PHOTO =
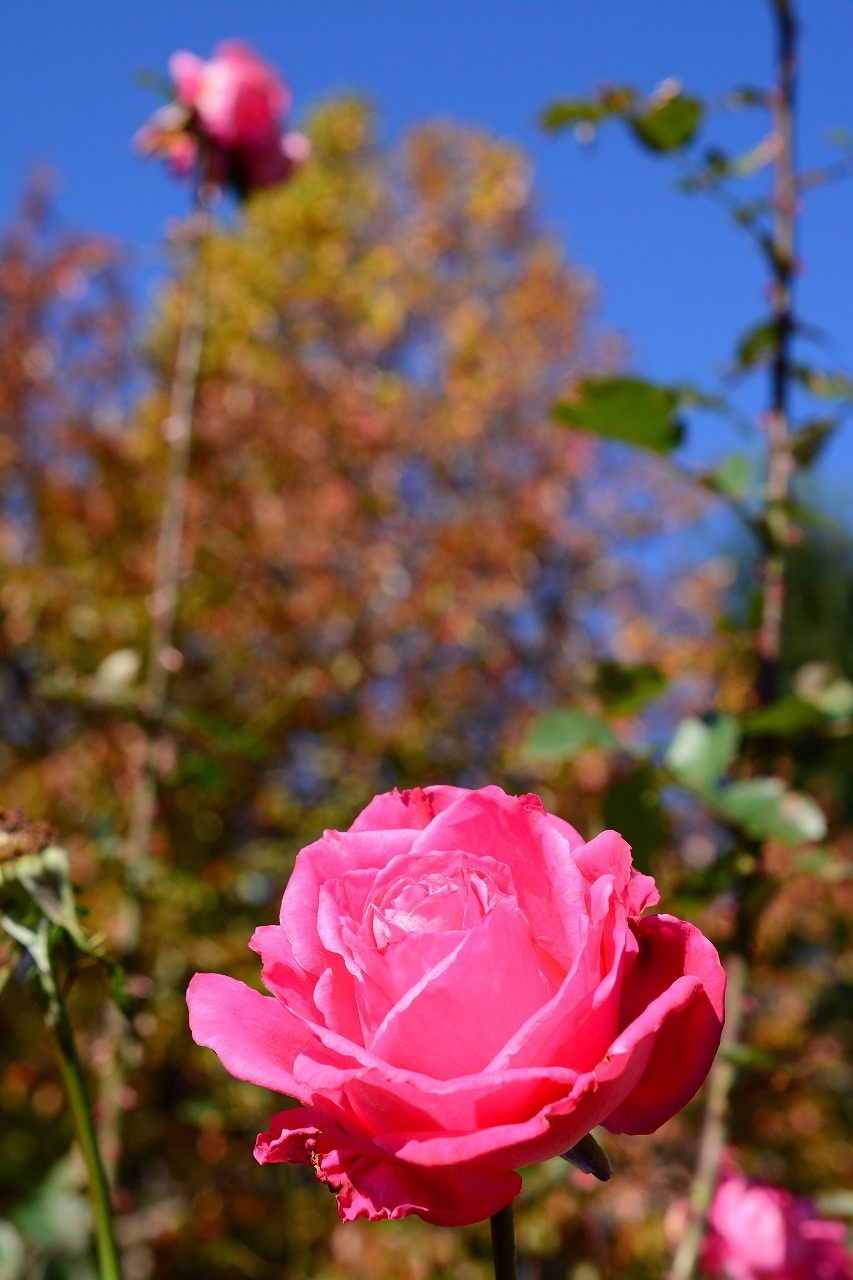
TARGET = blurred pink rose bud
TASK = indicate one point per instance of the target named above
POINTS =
(228, 121)
(239, 99)
(460, 986)
(760, 1232)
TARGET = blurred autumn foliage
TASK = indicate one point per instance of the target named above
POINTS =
(392, 560)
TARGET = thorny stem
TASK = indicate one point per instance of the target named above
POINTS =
(163, 601)
(780, 461)
(78, 1097)
(502, 1225)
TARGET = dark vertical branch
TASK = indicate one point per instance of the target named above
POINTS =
(503, 1244)
(780, 460)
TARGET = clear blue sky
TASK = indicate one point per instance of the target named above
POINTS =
(673, 276)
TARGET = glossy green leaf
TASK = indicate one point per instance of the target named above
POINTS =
(627, 409)
(701, 751)
(670, 124)
(763, 809)
(561, 734)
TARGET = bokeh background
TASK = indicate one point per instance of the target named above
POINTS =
(394, 562)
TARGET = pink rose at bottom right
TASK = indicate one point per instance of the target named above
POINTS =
(757, 1231)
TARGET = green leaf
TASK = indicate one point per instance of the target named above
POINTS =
(763, 809)
(670, 124)
(786, 716)
(732, 477)
(561, 734)
(633, 804)
(822, 686)
(812, 438)
(744, 1055)
(567, 112)
(756, 345)
(701, 751)
(623, 690)
(825, 386)
(612, 101)
(627, 409)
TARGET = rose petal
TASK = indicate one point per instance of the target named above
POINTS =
(461, 1012)
(327, 859)
(685, 1038)
(368, 1186)
(254, 1036)
(186, 71)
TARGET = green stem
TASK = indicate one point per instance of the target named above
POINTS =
(81, 1111)
(502, 1224)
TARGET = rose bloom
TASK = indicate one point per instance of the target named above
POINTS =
(239, 99)
(227, 119)
(460, 985)
(760, 1232)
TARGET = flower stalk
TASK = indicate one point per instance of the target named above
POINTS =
(504, 1252)
(109, 1263)
(163, 601)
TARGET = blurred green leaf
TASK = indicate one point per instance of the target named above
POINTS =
(732, 477)
(787, 715)
(763, 809)
(627, 409)
(756, 345)
(835, 1204)
(812, 438)
(670, 124)
(746, 95)
(744, 1055)
(701, 751)
(566, 112)
(821, 685)
(825, 386)
(633, 804)
(611, 101)
(623, 690)
(561, 734)
(826, 864)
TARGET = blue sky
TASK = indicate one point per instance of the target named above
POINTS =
(673, 276)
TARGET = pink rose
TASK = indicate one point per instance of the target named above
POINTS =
(227, 123)
(761, 1232)
(461, 986)
(239, 99)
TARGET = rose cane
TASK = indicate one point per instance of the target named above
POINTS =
(460, 986)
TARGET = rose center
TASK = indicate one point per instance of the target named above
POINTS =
(435, 901)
